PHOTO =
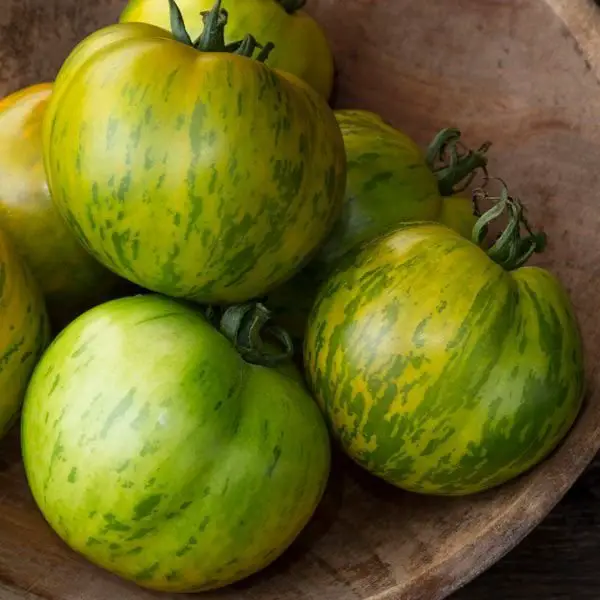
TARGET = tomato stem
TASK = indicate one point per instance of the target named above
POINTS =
(292, 6)
(511, 249)
(265, 52)
(212, 38)
(454, 165)
(246, 325)
(177, 24)
(248, 45)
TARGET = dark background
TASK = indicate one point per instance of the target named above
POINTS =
(561, 557)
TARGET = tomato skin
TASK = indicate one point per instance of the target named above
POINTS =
(457, 214)
(301, 47)
(439, 371)
(24, 330)
(70, 278)
(388, 182)
(153, 449)
(173, 198)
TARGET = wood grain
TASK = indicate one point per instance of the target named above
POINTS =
(558, 561)
(523, 73)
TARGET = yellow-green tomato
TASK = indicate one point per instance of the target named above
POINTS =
(70, 278)
(157, 452)
(440, 370)
(24, 330)
(388, 182)
(194, 172)
(457, 213)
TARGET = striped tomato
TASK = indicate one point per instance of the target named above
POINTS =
(441, 370)
(301, 47)
(156, 451)
(187, 169)
(70, 278)
(24, 330)
(391, 181)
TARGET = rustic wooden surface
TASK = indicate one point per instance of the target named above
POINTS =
(524, 73)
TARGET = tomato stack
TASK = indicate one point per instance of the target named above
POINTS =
(207, 274)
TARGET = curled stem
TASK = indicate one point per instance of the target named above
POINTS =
(454, 165)
(246, 326)
(517, 242)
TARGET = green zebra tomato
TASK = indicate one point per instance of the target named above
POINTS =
(441, 370)
(70, 279)
(24, 330)
(187, 169)
(160, 454)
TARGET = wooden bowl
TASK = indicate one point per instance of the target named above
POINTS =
(523, 74)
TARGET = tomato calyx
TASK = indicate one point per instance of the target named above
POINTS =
(212, 38)
(517, 242)
(249, 328)
(292, 6)
(455, 165)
